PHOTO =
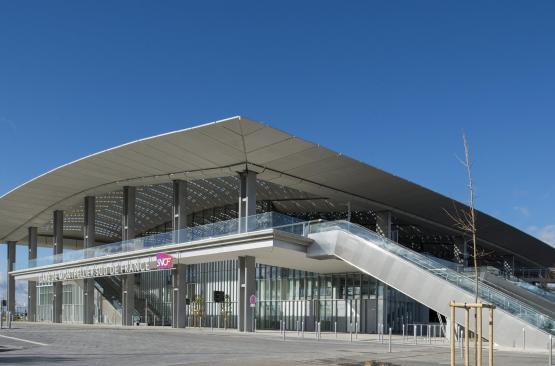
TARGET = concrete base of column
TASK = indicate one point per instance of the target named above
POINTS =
(32, 301)
(128, 298)
(88, 301)
(246, 288)
(57, 301)
(11, 279)
(179, 285)
(11, 294)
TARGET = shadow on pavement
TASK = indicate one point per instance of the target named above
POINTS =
(39, 360)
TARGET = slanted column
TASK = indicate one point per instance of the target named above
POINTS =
(179, 209)
(11, 279)
(89, 242)
(246, 287)
(179, 284)
(32, 285)
(128, 233)
(58, 245)
(247, 199)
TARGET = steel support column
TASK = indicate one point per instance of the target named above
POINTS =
(58, 245)
(11, 279)
(128, 233)
(246, 287)
(384, 223)
(32, 285)
(179, 286)
(89, 242)
(247, 199)
(179, 209)
(461, 251)
(128, 215)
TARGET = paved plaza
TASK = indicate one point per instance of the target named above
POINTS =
(48, 344)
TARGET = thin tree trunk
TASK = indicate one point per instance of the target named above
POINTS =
(472, 226)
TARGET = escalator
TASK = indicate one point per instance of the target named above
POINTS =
(516, 323)
(542, 300)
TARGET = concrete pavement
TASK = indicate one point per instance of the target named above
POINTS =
(54, 344)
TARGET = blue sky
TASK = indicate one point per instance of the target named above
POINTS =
(391, 83)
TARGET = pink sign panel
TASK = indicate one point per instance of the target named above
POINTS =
(164, 261)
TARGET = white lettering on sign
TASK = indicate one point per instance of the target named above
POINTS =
(99, 270)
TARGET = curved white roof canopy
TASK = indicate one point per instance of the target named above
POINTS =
(221, 149)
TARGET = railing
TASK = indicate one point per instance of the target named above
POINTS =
(547, 295)
(487, 293)
(222, 228)
(536, 273)
(158, 308)
(272, 220)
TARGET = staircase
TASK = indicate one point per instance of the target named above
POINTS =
(111, 290)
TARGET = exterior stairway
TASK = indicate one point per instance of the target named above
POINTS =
(110, 288)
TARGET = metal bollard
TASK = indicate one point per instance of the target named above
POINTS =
(1, 320)
(297, 325)
(415, 339)
(550, 350)
(403, 333)
(316, 330)
(389, 340)
(523, 339)
(302, 328)
(211, 326)
(461, 341)
(351, 331)
(283, 330)
(335, 329)
(356, 330)
(319, 330)
(254, 330)
(429, 334)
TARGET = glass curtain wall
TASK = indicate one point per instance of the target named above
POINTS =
(339, 301)
(72, 304)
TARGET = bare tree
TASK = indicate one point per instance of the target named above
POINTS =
(465, 220)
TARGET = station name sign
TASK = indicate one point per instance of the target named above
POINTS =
(115, 268)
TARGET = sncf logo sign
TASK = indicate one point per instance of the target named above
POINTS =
(164, 261)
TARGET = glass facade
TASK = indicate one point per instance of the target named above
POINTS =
(341, 301)
(72, 303)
